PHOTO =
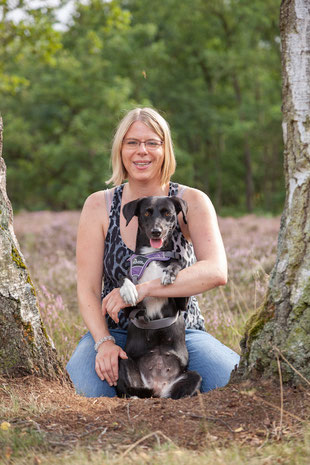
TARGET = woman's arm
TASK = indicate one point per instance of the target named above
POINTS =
(89, 252)
(208, 272)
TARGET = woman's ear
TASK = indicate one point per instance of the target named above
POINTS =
(131, 209)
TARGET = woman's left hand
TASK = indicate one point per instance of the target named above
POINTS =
(112, 304)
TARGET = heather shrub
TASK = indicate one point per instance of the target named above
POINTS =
(64, 327)
(48, 243)
(250, 244)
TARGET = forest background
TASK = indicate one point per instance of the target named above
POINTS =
(213, 69)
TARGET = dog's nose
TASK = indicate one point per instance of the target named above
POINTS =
(156, 232)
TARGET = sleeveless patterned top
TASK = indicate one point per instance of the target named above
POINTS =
(116, 263)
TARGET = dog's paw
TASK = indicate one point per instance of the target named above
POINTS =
(168, 277)
(129, 292)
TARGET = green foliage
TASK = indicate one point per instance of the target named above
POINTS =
(31, 447)
(211, 68)
(34, 35)
(16, 443)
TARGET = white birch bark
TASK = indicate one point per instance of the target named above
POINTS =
(283, 321)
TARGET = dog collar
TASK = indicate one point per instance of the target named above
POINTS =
(161, 323)
(138, 263)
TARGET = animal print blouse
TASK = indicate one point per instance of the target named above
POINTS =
(116, 261)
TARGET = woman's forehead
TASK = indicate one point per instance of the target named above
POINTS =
(138, 129)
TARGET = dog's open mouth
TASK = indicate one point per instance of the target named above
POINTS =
(156, 243)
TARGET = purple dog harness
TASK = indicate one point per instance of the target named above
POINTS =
(138, 264)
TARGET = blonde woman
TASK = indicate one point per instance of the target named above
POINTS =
(142, 155)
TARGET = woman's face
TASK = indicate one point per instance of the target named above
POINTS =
(142, 162)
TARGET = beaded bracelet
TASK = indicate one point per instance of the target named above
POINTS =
(102, 340)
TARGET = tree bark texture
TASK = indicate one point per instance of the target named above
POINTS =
(25, 348)
(283, 321)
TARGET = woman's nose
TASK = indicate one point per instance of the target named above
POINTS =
(142, 147)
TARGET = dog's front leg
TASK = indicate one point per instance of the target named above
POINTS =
(170, 273)
(188, 384)
(129, 292)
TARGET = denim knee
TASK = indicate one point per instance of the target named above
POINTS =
(210, 358)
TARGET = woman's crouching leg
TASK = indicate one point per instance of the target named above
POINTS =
(81, 367)
(210, 358)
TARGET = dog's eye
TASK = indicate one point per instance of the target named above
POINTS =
(147, 214)
(167, 214)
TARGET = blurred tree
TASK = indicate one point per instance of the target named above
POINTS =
(212, 68)
(281, 327)
(25, 347)
(32, 34)
(72, 110)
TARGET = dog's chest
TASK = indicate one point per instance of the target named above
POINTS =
(154, 270)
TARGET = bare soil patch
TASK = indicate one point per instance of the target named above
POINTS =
(246, 413)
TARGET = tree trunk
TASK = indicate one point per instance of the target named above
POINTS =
(25, 348)
(282, 324)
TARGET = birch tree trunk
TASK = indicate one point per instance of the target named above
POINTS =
(282, 324)
(25, 348)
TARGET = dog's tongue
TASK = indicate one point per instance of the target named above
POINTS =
(156, 243)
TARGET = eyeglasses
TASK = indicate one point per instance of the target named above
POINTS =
(133, 144)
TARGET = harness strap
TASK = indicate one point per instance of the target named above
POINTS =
(161, 323)
(138, 263)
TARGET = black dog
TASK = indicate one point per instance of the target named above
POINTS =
(157, 354)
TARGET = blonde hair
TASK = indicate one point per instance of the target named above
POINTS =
(157, 123)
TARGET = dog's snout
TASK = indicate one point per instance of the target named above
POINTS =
(156, 232)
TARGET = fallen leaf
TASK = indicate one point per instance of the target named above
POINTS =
(238, 430)
(5, 425)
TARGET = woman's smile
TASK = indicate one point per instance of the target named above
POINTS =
(142, 164)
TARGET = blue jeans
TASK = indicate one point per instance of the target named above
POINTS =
(213, 361)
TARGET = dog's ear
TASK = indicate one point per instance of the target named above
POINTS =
(180, 206)
(131, 209)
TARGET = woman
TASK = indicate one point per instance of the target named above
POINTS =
(142, 154)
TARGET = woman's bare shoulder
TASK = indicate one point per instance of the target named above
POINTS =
(100, 200)
(196, 198)
(94, 202)
(95, 209)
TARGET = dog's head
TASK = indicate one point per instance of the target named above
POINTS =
(157, 217)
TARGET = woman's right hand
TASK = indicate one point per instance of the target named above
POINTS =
(106, 364)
